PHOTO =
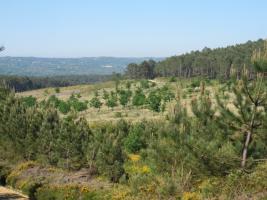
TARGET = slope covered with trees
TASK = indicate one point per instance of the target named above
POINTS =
(23, 83)
(211, 63)
(216, 152)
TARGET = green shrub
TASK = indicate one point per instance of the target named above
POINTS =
(57, 90)
(152, 84)
(135, 140)
(112, 100)
(95, 102)
(105, 95)
(124, 97)
(139, 98)
(166, 94)
(144, 84)
(68, 192)
(189, 90)
(172, 79)
(76, 104)
(128, 85)
(63, 107)
(30, 189)
(154, 101)
(195, 83)
(29, 101)
(53, 100)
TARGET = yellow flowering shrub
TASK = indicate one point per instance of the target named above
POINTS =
(191, 196)
(146, 169)
(134, 157)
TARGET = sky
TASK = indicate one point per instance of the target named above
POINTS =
(127, 28)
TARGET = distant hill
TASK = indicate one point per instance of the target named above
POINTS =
(33, 66)
(209, 62)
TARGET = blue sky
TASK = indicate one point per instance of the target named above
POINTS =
(85, 28)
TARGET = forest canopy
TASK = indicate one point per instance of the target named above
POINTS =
(210, 63)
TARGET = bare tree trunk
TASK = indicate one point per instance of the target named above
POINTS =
(245, 149)
(248, 138)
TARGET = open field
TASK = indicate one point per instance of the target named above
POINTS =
(185, 90)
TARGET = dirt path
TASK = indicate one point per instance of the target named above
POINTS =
(8, 194)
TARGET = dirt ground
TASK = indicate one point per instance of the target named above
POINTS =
(8, 194)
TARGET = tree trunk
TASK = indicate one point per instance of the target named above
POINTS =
(245, 149)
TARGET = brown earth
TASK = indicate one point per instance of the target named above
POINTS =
(9, 194)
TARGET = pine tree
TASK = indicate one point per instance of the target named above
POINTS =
(154, 101)
(247, 115)
(96, 103)
(124, 97)
(112, 100)
(48, 136)
(139, 98)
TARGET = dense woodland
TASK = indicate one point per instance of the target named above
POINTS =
(216, 153)
(20, 84)
(210, 63)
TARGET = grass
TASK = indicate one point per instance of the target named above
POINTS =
(180, 87)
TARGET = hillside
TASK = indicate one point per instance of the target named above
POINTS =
(33, 66)
(210, 63)
(165, 138)
(130, 112)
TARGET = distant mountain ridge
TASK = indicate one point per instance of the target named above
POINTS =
(35, 66)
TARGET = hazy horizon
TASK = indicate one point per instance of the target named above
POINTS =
(77, 29)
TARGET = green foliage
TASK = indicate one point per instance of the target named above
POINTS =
(68, 192)
(109, 156)
(139, 98)
(135, 140)
(124, 97)
(57, 90)
(154, 101)
(128, 85)
(211, 63)
(105, 95)
(166, 94)
(172, 79)
(112, 100)
(29, 101)
(259, 59)
(143, 70)
(195, 155)
(76, 104)
(246, 119)
(144, 84)
(195, 83)
(95, 102)
(63, 107)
